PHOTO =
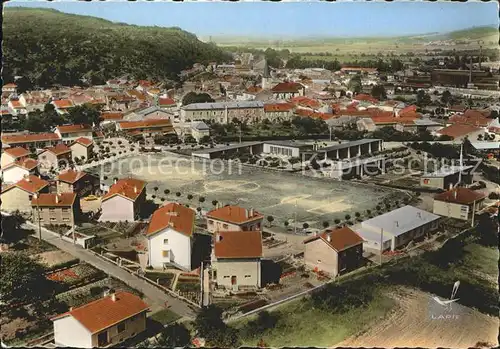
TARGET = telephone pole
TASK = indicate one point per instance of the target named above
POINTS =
(381, 244)
(295, 219)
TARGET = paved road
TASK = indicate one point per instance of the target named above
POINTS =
(154, 297)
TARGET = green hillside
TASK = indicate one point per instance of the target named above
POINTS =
(51, 47)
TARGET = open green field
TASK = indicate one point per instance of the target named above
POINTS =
(481, 261)
(299, 324)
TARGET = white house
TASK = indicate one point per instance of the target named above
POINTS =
(123, 201)
(169, 237)
(70, 133)
(11, 155)
(18, 170)
(104, 322)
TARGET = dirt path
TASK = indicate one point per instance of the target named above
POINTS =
(411, 325)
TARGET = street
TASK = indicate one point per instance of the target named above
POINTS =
(153, 296)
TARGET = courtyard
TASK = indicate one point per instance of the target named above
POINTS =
(285, 196)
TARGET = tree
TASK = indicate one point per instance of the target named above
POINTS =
(305, 225)
(84, 114)
(423, 99)
(166, 191)
(189, 197)
(347, 217)
(210, 325)
(378, 91)
(325, 224)
(155, 189)
(446, 97)
(487, 229)
(270, 219)
(357, 214)
(354, 84)
(11, 226)
(214, 202)
(175, 335)
(193, 97)
(201, 199)
(178, 194)
(336, 221)
(23, 281)
(286, 224)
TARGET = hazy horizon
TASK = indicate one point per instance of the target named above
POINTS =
(288, 20)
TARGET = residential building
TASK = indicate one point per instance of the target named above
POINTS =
(16, 107)
(81, 183)
(31, 140)
(35, 100)
(358, 70)
(111, 117)
(334, 251)
(18, 170)
(123, 201)
(101, 323)
(287, 90)
(460, 203)
(351, 149)
(234, 218)
(146, 128)
(224, 112)
(397, 228)
(461, 131)
(56, 156)
(11, 155)
(170, 237)
(278, 112)
(167, 104)
(9, 89)
(199, 130)
(62, 106)
(236, 259)
(82, 148)
(55, 209)
(150, 113)
(70, 133)
(447, 176)
(18, 196)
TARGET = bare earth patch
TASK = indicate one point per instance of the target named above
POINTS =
(55, 257)
(410, 325)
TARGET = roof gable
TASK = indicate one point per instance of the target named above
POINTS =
(238, 244)
(338, 239)
(173, 215)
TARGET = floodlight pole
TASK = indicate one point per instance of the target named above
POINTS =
(381, 244)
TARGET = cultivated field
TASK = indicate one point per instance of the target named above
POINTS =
(272, 193)
(410, 325)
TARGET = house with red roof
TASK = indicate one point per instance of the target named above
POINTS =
(461, 131)
(459, 203)
(170, 237)
(236, 259)
(146, 127)
(167, 103)
(70, 133)
(55, 157)
(55, 208)
(79, 182)
(82, 148)
(101, 323)
(18, 196)
(123, 201)
(9, 88)
(16, 107)
(334, 251)
(287, 90)
(278, 112)
(62, 106)
(31, 140)
(11, 155)
(19, 169)
(233, 218)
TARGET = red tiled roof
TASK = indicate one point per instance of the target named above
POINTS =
(130, 188)
(254, 89)
(460, 195)
(287, 87)
(17, 152)
(28, 138)
(83, 141)
(98, 134)
(104, 312)
(390, 119)
(306, 102)
(368, 70)
(59, 149)
(61, 200)
(138, 95)
(234, 214)
(74, 128)
(365, 97)
(127, 125)
(166, 101)
(458, 130)
(278, 107)
(10, 85)
(16, 104)
(458, 108)
(32, 184)
(112, 115)
(340, 239)
(63, 103)
(409, 109)
(71, 176)
(238, 244)
(471, 117)
(25, 163)
(145, 83)
(174, 215)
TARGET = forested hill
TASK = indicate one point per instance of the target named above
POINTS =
(50, 47)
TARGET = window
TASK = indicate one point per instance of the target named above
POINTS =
(319, 261)
(65, 209)
(121, 327)
(65, 219)
(248, 276)
(225, 226)
(52, 209)
(226, 276)
(165, 254)
(165, 241)
(53, 219)
(210, 222)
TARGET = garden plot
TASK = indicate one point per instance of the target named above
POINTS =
(78, 275)
(54, 258)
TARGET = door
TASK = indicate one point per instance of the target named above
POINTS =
(233, 280)
(102, 339)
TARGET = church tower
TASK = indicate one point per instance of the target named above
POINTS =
(266, 77)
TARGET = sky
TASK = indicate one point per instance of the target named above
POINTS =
(288, 19)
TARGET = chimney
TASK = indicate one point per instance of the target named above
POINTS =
(451, 186)
(247, 214)
(455, 193)
(251, 213)
(135, 190)
(329, 238)
(70, 308)
(114, 181)
(57, 198)
(218, 237)
(106, 293)
(113, 297)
